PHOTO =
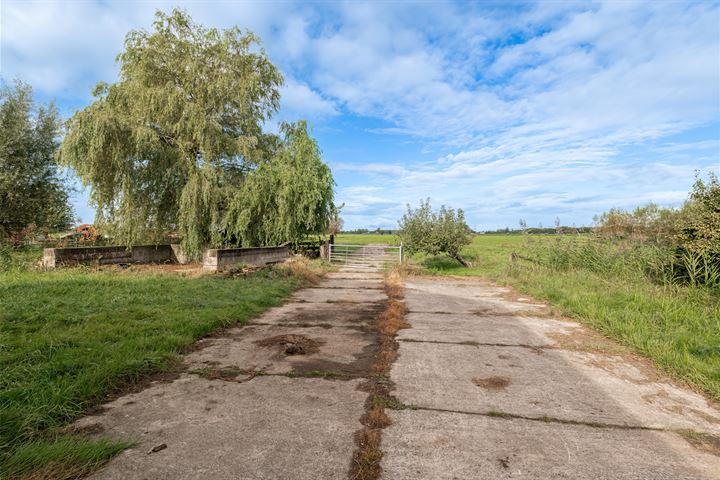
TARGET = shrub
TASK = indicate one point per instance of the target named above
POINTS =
(433, 233)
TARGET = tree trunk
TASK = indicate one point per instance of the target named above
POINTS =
(464, 262)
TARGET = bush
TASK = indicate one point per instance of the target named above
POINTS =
(671, 245)
(433, 233)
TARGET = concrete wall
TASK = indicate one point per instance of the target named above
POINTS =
(217, 260)
(55, 257)
(214, 260)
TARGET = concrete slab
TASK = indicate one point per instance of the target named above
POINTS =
(338, 295)
(322, 314)
(351, 283)
(343, 350)
(354, 275)
(428, 302)
(455, 296)
(362, 269)
(267, 428)
(509, 330)
(536, 383)
(439, 445)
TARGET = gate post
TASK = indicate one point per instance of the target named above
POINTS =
(401, 252)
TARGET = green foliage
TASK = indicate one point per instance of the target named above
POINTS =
(287, 198)
(426, 231)
(698, 226)
(174, 136)
(681, 245)
(33, 195)
(649, 222)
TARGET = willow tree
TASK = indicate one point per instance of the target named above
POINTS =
(286, 198)
(164, 146)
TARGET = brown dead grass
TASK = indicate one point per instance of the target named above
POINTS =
(60, 470)
(307, 270)
(376, 417)
(366, 460)
(393, 318)
(394, 284)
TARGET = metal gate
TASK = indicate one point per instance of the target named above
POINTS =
(371, 256)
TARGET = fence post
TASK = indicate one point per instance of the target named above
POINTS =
(401, 252)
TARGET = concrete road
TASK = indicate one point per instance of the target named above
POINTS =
(488, 386)
(280, 398)
(495, 389)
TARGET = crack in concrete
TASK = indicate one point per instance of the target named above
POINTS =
(230, 375)
(544, 418)
(320, 287)
(479, 344)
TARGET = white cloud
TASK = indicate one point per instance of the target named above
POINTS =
(572, 107)
(300, 100)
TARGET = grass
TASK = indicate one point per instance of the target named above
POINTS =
(678, 327)
(366, 238)
(69, 338)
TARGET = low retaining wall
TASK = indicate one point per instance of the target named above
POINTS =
(55, 257)
(219, 259)
(214, 260)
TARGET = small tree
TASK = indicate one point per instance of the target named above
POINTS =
(32, 191)
(426, 231)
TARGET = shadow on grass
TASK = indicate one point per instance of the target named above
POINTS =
(440, 263)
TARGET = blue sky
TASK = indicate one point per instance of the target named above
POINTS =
(508, 110)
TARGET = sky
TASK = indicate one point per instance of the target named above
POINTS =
(508, 110)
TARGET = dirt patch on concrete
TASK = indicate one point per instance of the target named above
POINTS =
(702, 441)
(291, 344)
(360, 367)
(584, 340)
(88, 429)
(492, 383)
(227, 374)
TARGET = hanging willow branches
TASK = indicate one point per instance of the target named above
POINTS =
(169, 144)
(286, 198)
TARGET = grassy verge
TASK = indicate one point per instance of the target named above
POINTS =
(678, 327)
(70, 338)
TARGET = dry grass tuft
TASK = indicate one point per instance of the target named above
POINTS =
(309, 271)
(376, 417)
(394, 281)
(393, 318)
(385, 356)
(366, 461)
(406, 269)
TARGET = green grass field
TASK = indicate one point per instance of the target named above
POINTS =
(69, 338)
(366, 238)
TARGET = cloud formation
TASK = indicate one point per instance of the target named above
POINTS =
(507, 110)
